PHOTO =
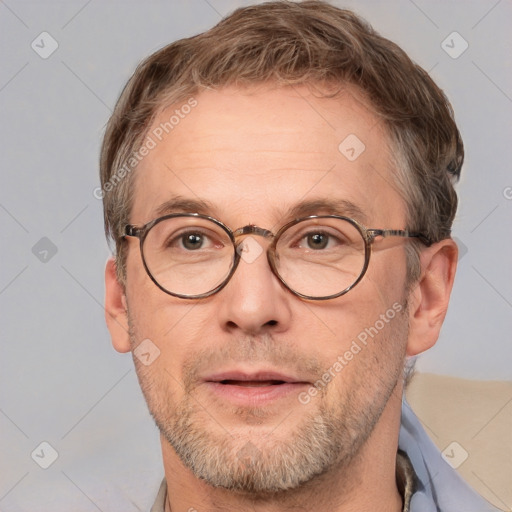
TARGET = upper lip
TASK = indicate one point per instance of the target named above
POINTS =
(251, 376)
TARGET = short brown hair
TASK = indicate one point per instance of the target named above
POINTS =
(290, 43)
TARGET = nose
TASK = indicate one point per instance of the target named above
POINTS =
(254, 301)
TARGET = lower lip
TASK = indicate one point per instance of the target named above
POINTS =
(255, 395)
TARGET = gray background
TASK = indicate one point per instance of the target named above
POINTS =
(60, 380)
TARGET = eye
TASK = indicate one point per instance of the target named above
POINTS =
(184, 239)
(318, 240)
(192, 241)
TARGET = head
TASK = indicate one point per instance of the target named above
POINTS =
(246, 123)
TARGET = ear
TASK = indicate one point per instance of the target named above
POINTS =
(116, 313)
(428, 301)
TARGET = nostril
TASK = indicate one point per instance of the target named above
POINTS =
(271, 322)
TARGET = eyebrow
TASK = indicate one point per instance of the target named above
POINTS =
(342, 207)
(181, 204)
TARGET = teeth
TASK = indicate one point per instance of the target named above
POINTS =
(252, 383)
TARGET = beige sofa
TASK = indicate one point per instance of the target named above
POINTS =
(471, 422)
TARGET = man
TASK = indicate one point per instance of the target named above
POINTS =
(279, 190)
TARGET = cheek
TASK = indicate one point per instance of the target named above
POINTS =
(173, 329)
(370, 362)
(150, 308)
(355, 333)
(385, 279)
(338, 322)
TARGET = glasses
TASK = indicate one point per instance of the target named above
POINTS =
(320, 257)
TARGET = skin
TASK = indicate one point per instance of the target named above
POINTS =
(254, 154)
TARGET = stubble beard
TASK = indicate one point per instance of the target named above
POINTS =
(261, 464)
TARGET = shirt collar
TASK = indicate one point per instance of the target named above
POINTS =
(405, 480)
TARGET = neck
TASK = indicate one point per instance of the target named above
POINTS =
(367, 483)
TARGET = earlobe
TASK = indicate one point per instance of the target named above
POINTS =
(116, 314)
(428, 300)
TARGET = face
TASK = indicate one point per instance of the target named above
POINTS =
(254, 388)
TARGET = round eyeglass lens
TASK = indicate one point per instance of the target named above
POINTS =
(188, 255)
(320, 257)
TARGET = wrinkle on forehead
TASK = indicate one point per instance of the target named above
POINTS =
(267, 152)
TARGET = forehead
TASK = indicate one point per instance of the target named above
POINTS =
(258, 153)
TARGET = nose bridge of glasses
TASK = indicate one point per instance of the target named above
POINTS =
(253, 230)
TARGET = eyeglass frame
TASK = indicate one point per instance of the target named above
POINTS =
(369, 235)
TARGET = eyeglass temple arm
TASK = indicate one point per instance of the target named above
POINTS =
(130, 230)
(373, 233)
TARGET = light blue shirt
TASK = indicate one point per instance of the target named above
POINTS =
(439, 486)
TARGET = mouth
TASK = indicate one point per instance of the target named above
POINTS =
(258, 388)
(251, 383)
(251, 379)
